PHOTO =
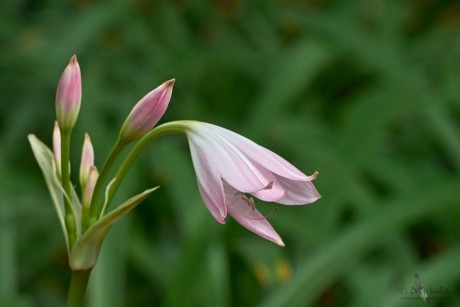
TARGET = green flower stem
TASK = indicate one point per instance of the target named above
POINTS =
(168, 128)
(69, 218)
(77, 289)
(114, 153)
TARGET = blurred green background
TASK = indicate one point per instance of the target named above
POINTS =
(365, 92)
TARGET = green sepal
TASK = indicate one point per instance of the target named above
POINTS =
(45, 159)
(86, 250)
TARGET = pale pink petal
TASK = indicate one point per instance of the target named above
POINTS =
(273, 192)
(298, 192)
(264, 157)
(245, 213)
(230, 163)
(209, 183)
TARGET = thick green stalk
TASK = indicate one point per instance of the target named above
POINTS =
(168, 128)
(70, 221)
(94, 207)
(77, 289)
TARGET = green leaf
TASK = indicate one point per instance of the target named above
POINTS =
(45, 159)
(86, 250)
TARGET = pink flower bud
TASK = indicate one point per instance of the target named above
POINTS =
(87, 160)
(147, 112)
(89, 187)
(57, 147)
(68, 96)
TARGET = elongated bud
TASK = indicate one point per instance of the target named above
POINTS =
(147, 112)
(89, 187)
(57, 147)
(87, 160)
(68, 96)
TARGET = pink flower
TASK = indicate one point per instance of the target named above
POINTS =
(68, 96)
(228, 165)
(87, 160)
(147, 112)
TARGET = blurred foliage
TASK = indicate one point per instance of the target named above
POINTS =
(365, 92)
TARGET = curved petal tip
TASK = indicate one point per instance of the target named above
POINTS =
(313, 177)
(221, 220)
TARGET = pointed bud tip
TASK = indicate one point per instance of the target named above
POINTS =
(73, 59)
(170, 83)
(281, 243)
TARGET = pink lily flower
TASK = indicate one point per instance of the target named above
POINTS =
(229, 165)
(68, 96)
(147, 112)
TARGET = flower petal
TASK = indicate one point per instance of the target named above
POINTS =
(298, 192)
(232, 165)
(244, 212)
(209, 183)
(262, 156)
(273, 192)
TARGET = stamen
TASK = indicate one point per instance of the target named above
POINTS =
(249, 201)
(271, 213)
(264, 216)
